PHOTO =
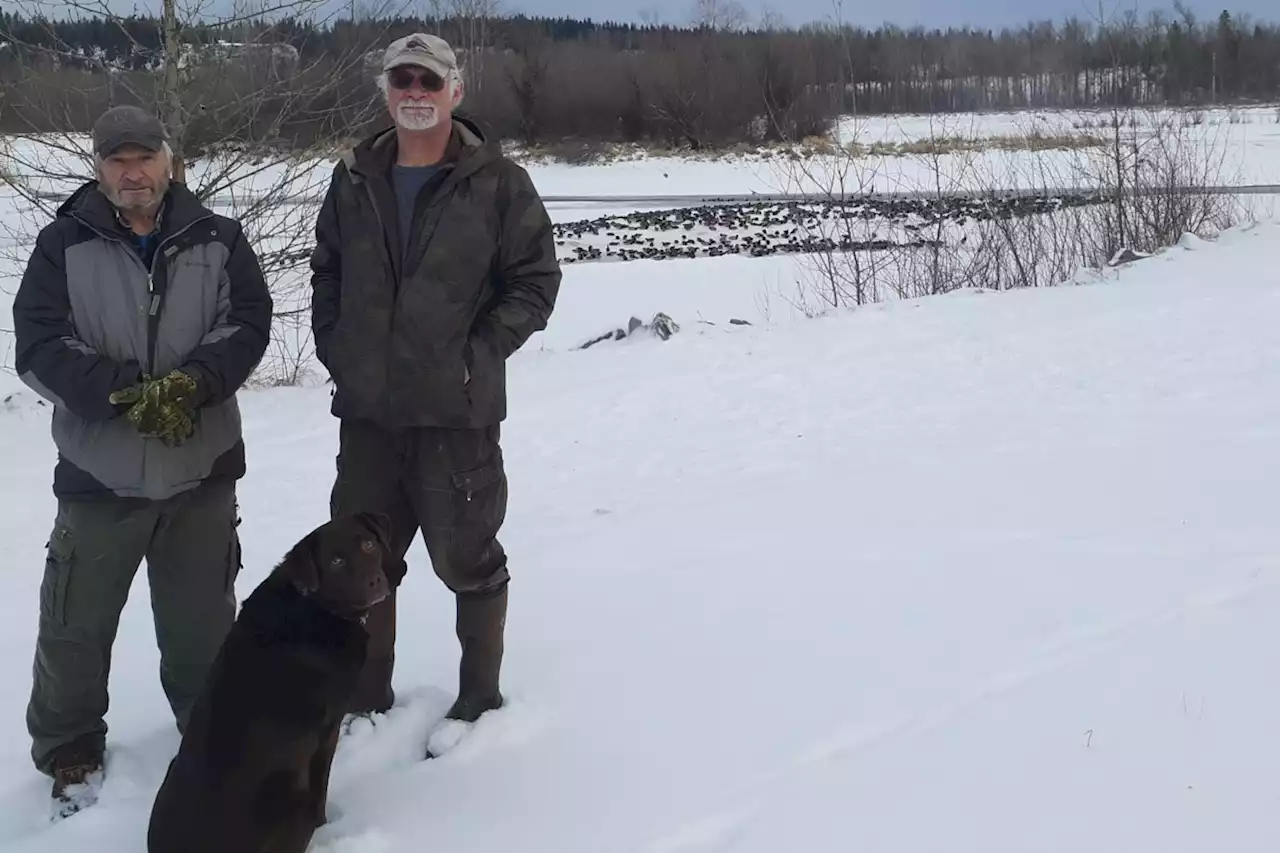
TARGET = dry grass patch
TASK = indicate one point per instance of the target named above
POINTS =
(940, 145)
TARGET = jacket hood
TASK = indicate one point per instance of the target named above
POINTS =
(88, 204)
(468, 149)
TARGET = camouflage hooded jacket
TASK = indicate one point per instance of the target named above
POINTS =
(400, 332)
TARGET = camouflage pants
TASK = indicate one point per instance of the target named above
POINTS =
(451, 485)
(192, 552)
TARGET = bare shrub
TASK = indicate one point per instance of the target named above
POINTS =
(1035, 224)
(1138, 180)
(581, 152)
(289, 351)
(1160, 175)
(844, 271)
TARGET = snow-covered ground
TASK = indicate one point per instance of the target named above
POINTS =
(982, 572)
(987, 571)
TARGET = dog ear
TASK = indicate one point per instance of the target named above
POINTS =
(393, 565)
(299, 565)
(379, 524)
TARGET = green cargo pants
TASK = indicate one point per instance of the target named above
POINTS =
(450, 485)
(192, 552)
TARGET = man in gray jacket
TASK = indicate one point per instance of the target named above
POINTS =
(139, 316)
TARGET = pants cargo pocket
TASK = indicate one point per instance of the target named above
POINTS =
(479, 503)
(54, 588)
(479, 497)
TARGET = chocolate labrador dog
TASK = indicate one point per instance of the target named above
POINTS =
(252, 773)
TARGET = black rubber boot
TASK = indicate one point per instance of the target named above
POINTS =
(482, 621)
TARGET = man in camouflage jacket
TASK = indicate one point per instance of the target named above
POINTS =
(434, 262)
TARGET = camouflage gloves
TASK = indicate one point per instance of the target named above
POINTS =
(161, 408)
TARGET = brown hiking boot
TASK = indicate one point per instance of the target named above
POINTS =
(482, 621)
(76, 765)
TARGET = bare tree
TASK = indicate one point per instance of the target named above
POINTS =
(468, 34)
(527, 77)
(771, 20)
(722, 15)
(252, 124)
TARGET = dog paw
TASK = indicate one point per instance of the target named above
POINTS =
(356, 722)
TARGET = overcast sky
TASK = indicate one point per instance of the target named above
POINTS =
(930, 13)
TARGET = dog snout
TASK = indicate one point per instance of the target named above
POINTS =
(377, 589)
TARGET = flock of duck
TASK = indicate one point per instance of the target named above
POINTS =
(763, 228)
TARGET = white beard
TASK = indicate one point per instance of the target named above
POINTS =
(412, 117)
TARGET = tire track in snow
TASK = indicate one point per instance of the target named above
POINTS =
(716, 828)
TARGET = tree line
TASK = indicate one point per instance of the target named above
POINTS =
(545, 81)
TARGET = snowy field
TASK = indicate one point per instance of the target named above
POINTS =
(982, 152)
(981, 572)
(1245, 142)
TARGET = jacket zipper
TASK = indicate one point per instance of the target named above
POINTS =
(437, 198)
(155, 297)
(398, 270)
(396, 258)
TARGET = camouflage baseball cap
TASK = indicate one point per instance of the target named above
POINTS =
(127, 125)
(423, 50)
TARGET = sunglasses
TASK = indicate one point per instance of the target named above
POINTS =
(402, 79)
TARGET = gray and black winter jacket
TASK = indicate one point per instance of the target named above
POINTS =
(91, 318)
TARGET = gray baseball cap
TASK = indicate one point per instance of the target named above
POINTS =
(423, 50)
(127, 125)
